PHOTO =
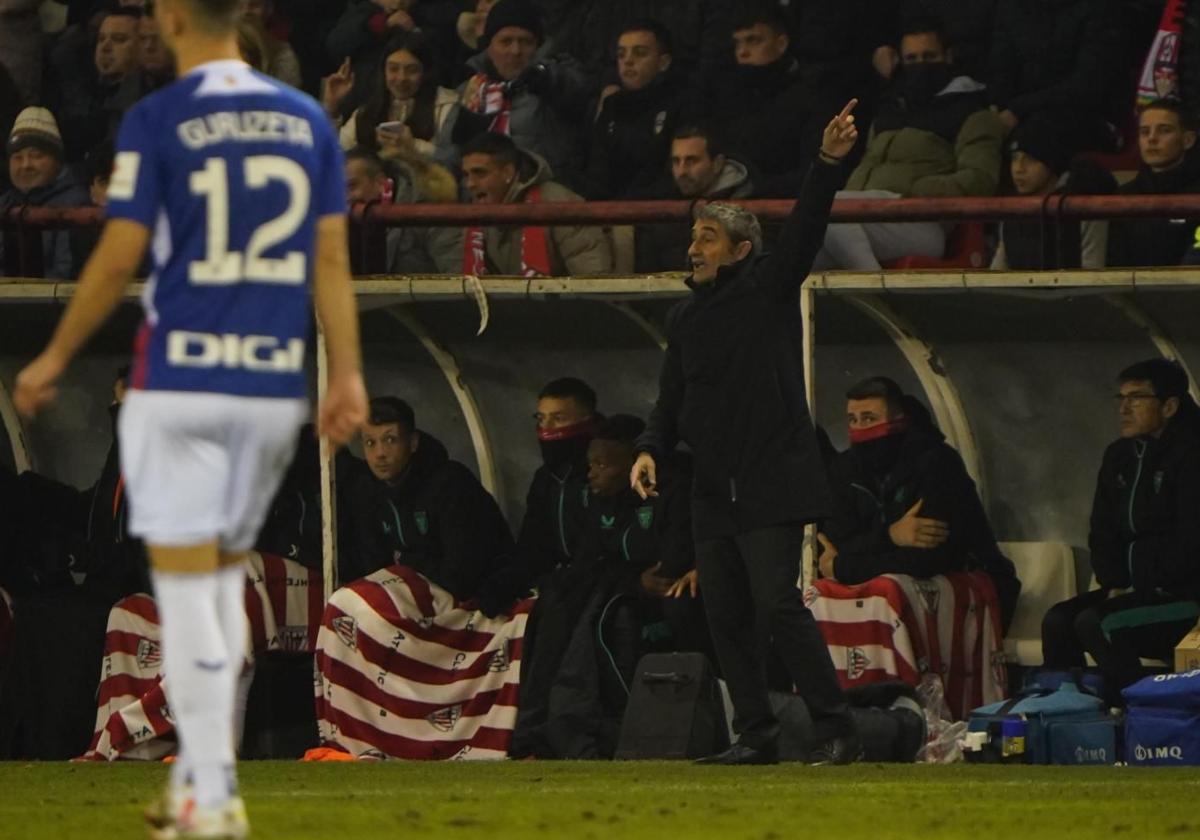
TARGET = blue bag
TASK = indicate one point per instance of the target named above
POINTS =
(1061, 726)
(1162, 725)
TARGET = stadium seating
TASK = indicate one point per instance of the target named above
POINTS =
(1047, 573)
(966, 247)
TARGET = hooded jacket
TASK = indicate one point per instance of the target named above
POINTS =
(1145, 534)
(628, 535)
(663, 247)
(949, 147)
(928, 470)
(1155, 242)
(56, 244)
(732, 383)
(437, 519)
(553, 523)
(547, 104)
(574, 250)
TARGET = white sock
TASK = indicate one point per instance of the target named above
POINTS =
(200, 681)
(231, 613)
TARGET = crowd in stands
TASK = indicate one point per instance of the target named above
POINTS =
(650, 100)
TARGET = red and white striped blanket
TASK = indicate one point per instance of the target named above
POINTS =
(899, 627)
(133, 721)
(406, 672)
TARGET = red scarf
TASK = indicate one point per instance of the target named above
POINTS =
(490, 98)
(880, 430)
(535, 247)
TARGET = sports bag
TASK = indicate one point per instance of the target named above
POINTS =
(1162, 724)
(1044, 726)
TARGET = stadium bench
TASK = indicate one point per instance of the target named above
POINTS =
(1047, 573)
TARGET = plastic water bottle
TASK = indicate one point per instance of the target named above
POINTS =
(1012, 739)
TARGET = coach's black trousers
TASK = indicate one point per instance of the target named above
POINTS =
(753, 603)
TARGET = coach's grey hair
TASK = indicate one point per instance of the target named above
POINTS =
(738, 222)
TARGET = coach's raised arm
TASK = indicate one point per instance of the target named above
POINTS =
(732, 388)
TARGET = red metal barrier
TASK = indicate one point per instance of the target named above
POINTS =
(635, 212)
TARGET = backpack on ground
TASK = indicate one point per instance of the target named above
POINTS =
(674, 711)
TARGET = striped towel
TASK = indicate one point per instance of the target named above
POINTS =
(133, 720)
(406, 672)
(899, 627)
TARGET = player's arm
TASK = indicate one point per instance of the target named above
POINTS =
(100, 289)
(345, 404)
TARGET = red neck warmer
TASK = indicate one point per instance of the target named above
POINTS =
(882, 430)
(577, 430)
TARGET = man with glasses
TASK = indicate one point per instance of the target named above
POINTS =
(1145, 535)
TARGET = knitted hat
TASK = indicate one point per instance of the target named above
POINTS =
(35, 127)
(519, 13)
(1042, 141)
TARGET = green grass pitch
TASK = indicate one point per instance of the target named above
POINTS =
(630, 801)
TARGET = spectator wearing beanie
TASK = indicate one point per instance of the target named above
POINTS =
(39, 179)
(516, 90)
(1040, 164)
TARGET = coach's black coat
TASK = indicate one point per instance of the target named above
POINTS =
(732, 383)
(438, 520)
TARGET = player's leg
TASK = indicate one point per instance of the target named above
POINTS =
(231, 612)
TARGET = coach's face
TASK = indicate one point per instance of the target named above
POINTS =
(388, 449)
(712, 248)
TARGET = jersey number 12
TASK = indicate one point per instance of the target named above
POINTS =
(223, 267)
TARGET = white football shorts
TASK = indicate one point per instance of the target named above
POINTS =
(200, 467)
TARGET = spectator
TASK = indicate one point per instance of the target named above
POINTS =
(1039, 166)
(279, 59)
(934, 137)
(421, 509)
(771, 113)
(631, 137)
(1166, 137)
(1145, 537)
(39, 179)
(359, 37)
(537, 102)
(93, 99)
(97, 169)
(158, 67)
(700, 168)
(409, 250)
(834, 42)
(1055, 58)
(968, 26)
(21, 46)
(468, 35)
(404, 97)
(497, 172)
(903, 501)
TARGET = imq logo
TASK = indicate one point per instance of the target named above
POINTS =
(1148, 753)
(260, 353)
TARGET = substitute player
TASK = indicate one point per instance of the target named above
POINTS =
(235, 182)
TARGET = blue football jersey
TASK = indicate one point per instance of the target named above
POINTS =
(230, 170)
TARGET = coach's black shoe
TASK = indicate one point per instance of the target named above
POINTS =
(842, 749)
(741, 754)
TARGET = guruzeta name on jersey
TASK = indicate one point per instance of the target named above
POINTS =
(245, 127)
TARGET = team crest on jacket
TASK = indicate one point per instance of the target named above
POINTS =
(660, 121)
(500, 660)
(930, 594)
(443, 720)
(645, 517)
(347, 630)
(608, 522)
(422, 521)
(856, 663)
(1158, 482)
(149, 654)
